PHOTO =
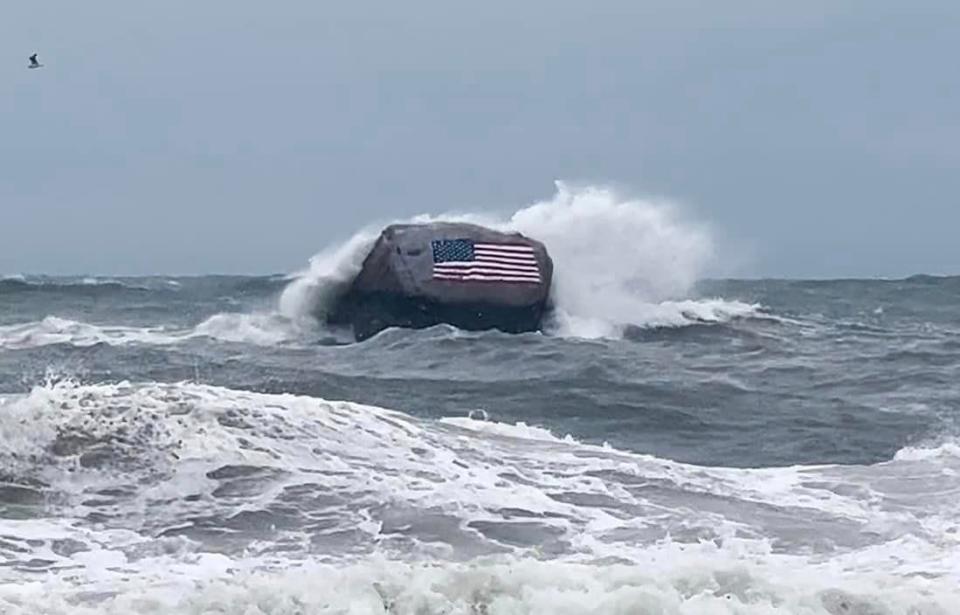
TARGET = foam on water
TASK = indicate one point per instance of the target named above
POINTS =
(157, 498)
(692, 581)
(258, 328)
(255, 328)
(946, 449)
(651, 315)
(95, 281)
(70, 282)
(54, 330)
(618, 262)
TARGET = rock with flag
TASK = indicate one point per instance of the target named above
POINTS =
(469, 276)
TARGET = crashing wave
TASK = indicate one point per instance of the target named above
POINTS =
(618, 262)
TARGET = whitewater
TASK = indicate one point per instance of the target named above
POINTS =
(670, 443)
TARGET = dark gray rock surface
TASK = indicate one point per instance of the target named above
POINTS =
(397, 288)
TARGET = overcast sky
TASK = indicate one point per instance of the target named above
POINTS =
(820, 137)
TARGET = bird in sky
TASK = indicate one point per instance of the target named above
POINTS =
(33, 62)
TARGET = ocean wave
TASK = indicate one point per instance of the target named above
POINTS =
(698, 579)
(667, 314)
(944, 449)
(217, 285)
(268, 328)
(259, 329)
(179, 497)
(173, 436)
(618, 262)
(54, 330)
(83, 284)
(313, 292)
(254, 328)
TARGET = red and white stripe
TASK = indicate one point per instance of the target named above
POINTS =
(493, 263)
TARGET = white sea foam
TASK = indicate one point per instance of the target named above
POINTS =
(944, 449)
(506, 518)
(611, 250)
(54, 330)
(651, 315)
(691, 581)
(256, 328)
(96, 281)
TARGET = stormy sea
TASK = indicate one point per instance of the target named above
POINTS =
(671, 442)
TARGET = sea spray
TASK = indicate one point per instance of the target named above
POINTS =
(313, 291)
(618, 261)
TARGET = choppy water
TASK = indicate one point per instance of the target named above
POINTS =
(177, 445)
(204, 445)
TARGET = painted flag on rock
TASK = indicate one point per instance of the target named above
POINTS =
(463, 260)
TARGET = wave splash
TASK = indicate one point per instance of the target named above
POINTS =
(618, 262)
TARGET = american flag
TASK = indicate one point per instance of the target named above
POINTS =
(462, 260)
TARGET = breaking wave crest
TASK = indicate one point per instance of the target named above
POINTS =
(947, 448)
(674, 582)
(189, 498)
(312, 292)
(54, 330)
(86, 285)
(618, 262)
(255, 328)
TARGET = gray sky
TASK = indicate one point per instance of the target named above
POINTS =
(820, 137)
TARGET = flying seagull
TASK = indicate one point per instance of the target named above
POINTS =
(33, 62)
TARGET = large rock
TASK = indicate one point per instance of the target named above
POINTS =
(469, 276)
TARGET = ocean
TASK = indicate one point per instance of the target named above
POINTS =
(670, 443)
